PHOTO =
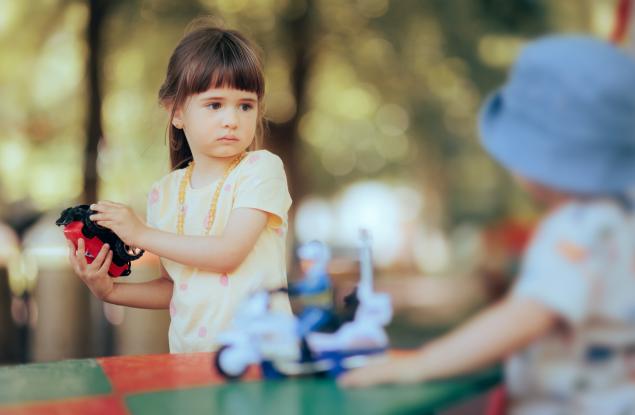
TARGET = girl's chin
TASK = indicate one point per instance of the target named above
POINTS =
(226, 153)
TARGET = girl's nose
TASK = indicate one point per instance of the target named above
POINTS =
(230, 118)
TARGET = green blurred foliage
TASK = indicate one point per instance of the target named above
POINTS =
(390, 90)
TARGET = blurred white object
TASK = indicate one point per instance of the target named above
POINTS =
(373, 313)
(280, 342)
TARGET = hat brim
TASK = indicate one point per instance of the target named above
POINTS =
(528, 150)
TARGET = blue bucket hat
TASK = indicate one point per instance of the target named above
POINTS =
(566, 116)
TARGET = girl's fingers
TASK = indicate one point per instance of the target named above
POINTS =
(106, 265)
(99, 259)
(80, 254)
(98, 216)
(100, 207)
(71, 250)
(71, 255)
(104, 205)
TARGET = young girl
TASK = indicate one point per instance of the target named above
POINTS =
(218, 221)
(565, 126)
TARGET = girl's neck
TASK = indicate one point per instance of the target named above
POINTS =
(207, 170)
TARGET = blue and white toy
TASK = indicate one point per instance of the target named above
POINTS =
(316, 279)
(286, 345)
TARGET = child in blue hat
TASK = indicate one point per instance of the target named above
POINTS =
(564, 126)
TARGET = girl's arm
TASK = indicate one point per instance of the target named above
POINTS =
(222, 253)
(489, 337)
(152, 294)
(155, 294)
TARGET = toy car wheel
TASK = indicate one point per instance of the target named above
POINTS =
(228, 362)
(126, 253)
(133, 252)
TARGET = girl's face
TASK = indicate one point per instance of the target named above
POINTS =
(218, 123)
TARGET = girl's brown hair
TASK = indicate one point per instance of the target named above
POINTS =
(209, 57)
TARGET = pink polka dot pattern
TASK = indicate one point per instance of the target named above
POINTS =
(254, 158)
(228, 187)
(202, 332)
(279, 231)
(172, 309)
(154, 196)
(183, 286)
(224, 280)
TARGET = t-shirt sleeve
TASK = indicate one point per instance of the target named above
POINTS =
(152, 205)
(561, 263)
(263, 186)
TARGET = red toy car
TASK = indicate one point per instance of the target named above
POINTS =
(77, 225)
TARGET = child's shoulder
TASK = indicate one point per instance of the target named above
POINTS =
(264, 156)
(261, 161)
(169, 180)
(586, 216)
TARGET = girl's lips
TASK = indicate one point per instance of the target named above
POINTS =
(228, 139)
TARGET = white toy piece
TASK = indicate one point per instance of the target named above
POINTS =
(373, 313)
(275, 340)
(257, 333)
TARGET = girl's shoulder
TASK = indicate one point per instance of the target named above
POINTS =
(262, 162)
(171, 179)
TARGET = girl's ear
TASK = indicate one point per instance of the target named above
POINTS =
(177, 119)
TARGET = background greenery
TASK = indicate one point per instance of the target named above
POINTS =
(364, 97)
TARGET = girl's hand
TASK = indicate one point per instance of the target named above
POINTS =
(397, 369)
(95, 275)
(120, 219)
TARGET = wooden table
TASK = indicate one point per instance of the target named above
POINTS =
(186, 384)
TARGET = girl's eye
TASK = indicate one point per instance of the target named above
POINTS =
(246, 107)
(214, 105)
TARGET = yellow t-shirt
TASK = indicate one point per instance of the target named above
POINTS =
(204, 302)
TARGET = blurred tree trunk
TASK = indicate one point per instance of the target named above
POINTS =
(283, 137)
(97, 11)
(101, 332)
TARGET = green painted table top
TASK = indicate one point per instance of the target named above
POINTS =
(186, 384)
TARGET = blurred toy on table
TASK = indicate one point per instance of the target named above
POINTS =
(317, 341)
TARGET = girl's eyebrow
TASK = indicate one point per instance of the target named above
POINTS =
(222, 98)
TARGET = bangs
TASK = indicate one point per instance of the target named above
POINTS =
(225, 63)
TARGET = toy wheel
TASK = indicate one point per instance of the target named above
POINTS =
(228, 362)
(125, 252)
(133, 252)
